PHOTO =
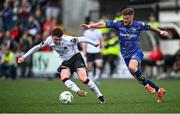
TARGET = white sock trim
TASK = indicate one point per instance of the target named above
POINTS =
(71, 85)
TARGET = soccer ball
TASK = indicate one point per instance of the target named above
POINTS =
(66, 97)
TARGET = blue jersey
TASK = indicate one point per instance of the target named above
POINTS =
(128, 36)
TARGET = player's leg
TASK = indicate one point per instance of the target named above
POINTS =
(105, 60)
(82, 73)
(149, 85)
(90, 66)
(113, 60)
(65, 77)
(90, 70)
(80, 68)
(98, 63)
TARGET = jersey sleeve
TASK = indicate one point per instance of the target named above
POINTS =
(111, 24)
(45, 43)
(85, 40)
(37, 47)
(144, 26)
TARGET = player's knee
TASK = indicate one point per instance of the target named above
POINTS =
(82, 74)
(64, 74)
(89, 66)
(132, 68)
(99, 66)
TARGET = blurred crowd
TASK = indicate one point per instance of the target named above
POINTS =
(23, 24)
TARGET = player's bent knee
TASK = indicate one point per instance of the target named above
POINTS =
(82, 74)
(64, 74)
(133, 69)
(99, 65)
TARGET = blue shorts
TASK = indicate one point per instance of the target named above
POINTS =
(137, 56)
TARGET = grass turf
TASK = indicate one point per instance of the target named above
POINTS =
(121, 96)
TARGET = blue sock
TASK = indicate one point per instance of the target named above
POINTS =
(153, 85)
(139, 74)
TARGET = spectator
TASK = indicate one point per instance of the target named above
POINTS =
(1, 24)
(16, 9)
(53, 9)
(38, 16)
(24, 68)
(15, 33)
(104, 30)
(49, 24)
(24, 11)
(118, 17)
(94, 57)
(2, 34)
(176, 64)
(111, 51)
(156, 54)
(9, 42)
(154, 58)
(7, 15)
(33, 26)
(8, 64)
(153, 22)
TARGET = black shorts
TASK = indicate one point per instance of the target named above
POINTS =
(73, 63)
(91, 57)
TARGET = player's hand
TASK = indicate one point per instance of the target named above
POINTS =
(165, 34)
(85, 26)
(21, 59)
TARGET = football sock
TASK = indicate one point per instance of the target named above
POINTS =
(98, 71)
(140, 76)
(71, 85)
(92, 86)
(153, 85)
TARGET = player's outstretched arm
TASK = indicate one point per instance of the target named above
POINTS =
(94, 25)
(31, 51)
(161, 32)
(87, 40)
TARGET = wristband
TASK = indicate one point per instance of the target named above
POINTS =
(161, 33)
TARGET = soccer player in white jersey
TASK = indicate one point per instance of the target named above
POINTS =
(94, 57)
(66, 47)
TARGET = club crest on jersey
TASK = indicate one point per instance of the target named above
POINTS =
(42, 43)
(74, 40)
(133, 30)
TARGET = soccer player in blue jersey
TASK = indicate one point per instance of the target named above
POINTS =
(129, 35)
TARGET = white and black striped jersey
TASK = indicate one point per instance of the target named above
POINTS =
(65, 50)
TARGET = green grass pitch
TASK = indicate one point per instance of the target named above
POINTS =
(121, 96)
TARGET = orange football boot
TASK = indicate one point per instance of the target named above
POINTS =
(160, 95)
